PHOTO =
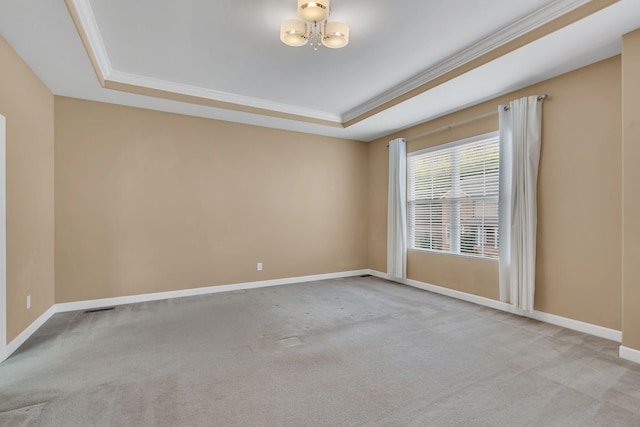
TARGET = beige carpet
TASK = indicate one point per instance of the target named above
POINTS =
(348, 352)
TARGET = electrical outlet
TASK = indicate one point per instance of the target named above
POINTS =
(259, 266)
(28, 301)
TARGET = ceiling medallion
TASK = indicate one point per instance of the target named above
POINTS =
(315, 29)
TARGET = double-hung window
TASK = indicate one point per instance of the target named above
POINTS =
(453, 197)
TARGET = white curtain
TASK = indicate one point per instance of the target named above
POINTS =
(520, 140)
(397, 211)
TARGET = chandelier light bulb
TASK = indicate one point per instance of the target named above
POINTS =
(336, 35)
(313, 11)
(293, 33)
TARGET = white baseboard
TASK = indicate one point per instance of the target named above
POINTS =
(380, 275)
(630, 354)
(107, 302)
(576, 325)
(132, 299)
(30, 330)
(611, 334)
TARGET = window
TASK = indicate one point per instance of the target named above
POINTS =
(453, 197)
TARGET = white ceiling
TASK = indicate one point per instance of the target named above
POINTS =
(231, 51)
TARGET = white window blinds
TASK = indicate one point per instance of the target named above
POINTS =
(453, 198)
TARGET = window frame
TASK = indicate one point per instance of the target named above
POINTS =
(411, 235)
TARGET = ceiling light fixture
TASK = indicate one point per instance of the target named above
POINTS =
(315, 29)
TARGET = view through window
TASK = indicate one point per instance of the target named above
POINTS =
(453, 197)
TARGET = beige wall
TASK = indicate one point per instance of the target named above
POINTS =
(579, 233)
(631, 195)
(28, 107)
(149, 202)
(377, 196)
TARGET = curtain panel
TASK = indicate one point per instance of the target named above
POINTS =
(397, 210)
(520, 142)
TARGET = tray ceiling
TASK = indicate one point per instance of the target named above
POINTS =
(406, 62)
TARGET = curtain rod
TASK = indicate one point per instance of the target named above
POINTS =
(464, 122)
(451, 126)
(540, 98)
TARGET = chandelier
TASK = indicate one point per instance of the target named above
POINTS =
(315, 29)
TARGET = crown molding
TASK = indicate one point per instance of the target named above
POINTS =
(214, 95)
(82, 15)
(84, 19)
(500, 38)
(543, 21)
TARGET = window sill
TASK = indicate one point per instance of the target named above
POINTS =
(466, 256)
